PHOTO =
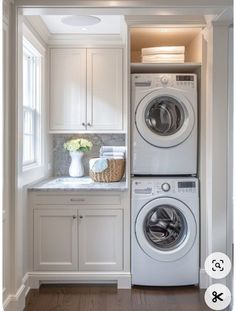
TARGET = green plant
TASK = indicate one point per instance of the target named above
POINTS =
(78, 144)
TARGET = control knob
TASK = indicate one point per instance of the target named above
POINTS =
(165, 187)
(164, 80)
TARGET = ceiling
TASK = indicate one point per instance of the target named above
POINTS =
(148, 37)
(110, 24)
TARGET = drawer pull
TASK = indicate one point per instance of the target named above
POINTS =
(80, 217)
(74, 217)
(77, 200)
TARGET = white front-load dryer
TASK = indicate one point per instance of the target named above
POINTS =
(165, 231)
(164, 124)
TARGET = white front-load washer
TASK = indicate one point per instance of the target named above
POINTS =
(165, 231)
(164, 124)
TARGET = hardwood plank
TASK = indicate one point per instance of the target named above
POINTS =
(108, 297)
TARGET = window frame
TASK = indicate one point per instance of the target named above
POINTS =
(34, 170)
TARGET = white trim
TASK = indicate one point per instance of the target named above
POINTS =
(32, 280)
(38, 25)
(16, 302)
(123, 279)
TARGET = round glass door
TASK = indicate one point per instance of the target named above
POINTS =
(164, 115)
(164, 119)
(165, 227)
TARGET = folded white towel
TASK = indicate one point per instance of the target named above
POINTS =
(112, 149)
(163, 58)
(112, 157)
(164, 50)
(113, 154)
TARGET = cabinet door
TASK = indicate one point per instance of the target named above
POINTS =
(100, 240)
(68, 90)
(104, 90)
(55, 240)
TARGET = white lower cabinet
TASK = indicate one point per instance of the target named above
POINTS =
(55, 240)
(100, 240)
(78, 239)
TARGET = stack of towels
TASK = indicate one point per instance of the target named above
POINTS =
(99, 165)
(113, 152)
(163, 54)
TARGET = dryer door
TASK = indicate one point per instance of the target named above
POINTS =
(165, 229)
(164, 118)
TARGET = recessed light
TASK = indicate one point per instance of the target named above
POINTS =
(80, 20)
(83, 28)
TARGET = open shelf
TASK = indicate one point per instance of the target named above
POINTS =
(147, 37)
(166, 68)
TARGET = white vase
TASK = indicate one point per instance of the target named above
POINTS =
(76, 167)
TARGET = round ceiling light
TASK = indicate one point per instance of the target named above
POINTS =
(80, 20)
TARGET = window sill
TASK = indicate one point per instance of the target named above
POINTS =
(32, 173)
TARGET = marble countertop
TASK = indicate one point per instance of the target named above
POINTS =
(76, 184)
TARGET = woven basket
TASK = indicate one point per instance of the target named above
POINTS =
(114, 171)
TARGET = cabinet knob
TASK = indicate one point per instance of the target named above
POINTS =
(74, 217)
(89, 124)
(83, 124)
(80, 217)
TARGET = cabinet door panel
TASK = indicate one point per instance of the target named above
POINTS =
(100, 240)
(68, 89)
(104, 89)
(55, 240)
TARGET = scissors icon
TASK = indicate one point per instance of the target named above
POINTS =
(217, 296)
(217, 265)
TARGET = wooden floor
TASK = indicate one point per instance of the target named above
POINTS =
(109, 298)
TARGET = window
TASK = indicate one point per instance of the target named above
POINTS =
(31, 104)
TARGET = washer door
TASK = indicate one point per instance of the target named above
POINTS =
(165, 229)
(164, 118)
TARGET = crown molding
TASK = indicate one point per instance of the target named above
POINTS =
(128, 3)
(147, 21)
(38, 25)
(84, 41)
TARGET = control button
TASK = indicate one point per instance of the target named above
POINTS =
(164, 80)
(165, 187)
(217, 297)
(218, 265)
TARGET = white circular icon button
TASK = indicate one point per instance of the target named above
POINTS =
(217, 297)
(217, 265)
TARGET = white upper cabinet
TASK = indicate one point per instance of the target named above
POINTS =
(104, 89)
(86, 90)
(68, 90)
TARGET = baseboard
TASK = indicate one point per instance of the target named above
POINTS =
(204, 279)
(17, 302)
(122, 279)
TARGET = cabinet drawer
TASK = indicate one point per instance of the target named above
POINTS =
(77, 200)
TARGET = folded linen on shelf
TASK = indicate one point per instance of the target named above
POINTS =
(170, 58)
(113, 154)
(112, 149)
(164, 50)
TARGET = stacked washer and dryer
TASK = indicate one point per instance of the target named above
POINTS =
(165, 196)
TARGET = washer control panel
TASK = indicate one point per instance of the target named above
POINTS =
(153, 187)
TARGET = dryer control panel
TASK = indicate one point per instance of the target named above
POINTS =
(150, 81)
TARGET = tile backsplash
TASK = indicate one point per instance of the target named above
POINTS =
(61, 157)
